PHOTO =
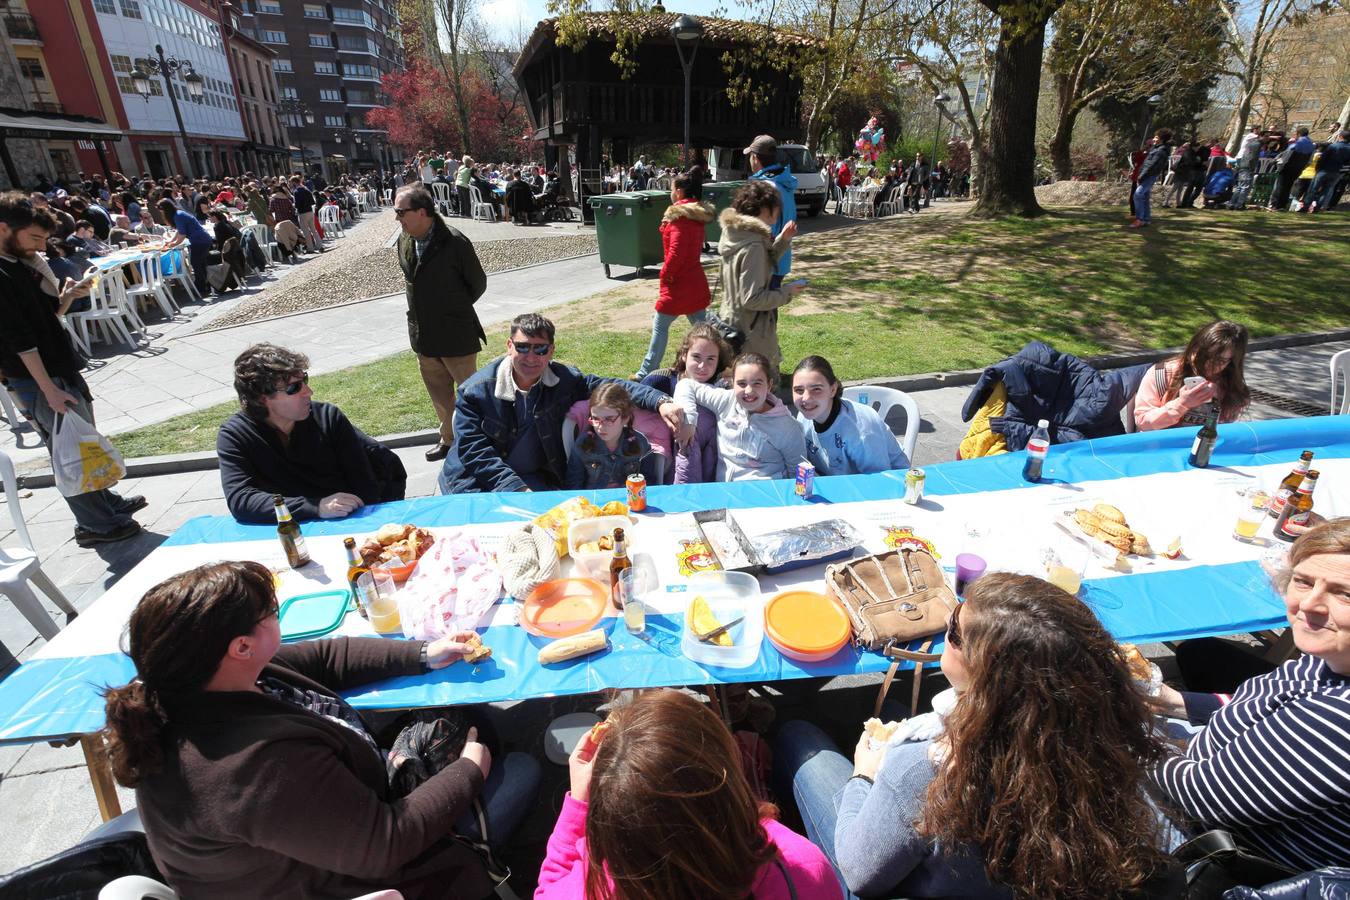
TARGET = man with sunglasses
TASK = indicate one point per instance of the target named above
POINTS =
(509, 415)
(443, 279)
(38, 362)
(284, 442)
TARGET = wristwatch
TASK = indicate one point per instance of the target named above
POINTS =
(422, 658)
(862, 777)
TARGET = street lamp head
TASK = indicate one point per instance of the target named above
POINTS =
(309, 117)
(194, 84)
(686, 29)
(140, 80)
(1154, 100)
(941, 100)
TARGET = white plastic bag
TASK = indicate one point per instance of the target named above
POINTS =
(452, 588)
(82, 459)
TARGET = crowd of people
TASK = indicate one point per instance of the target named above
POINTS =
(521, 194)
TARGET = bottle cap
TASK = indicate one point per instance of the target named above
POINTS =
(1043, 423)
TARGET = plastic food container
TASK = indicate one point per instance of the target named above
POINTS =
(563, 607)
(806, 626)
(313, 615)
(730, 595)
(596, 564)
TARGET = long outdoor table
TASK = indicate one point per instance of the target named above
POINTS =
(1218, 586)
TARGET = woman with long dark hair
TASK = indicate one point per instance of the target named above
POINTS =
(1207, 375)
(659, 809)
(254, 778)
(1035, 786)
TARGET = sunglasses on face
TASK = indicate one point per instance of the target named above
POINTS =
(954, 627)
(294, 387)
(399, 211)
(537, 349)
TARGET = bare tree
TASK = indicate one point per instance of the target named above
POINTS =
(1249, 44)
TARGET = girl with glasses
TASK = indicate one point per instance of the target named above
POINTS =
(1032, 783)
(609, 449)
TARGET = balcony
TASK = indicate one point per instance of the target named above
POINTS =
(48, 106)
(21, 27)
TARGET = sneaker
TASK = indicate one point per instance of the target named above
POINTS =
(1138, 223)
(84, 537)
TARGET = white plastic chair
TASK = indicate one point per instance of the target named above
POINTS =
(152, 285)
(20, 565)
(441, 190)
(17, 421)
(110, 311)
(891, 205)
(179, 271)
(481, 206)
(136, 887)
(1340, 374)
(388, 197)
(330, 217)
(883, 400)
(263, 235)
(569, 436)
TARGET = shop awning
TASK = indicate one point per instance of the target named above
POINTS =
(26, 124)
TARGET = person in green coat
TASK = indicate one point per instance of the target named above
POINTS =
(444, 279)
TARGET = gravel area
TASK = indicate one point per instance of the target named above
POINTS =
(1084, 193)
(360, 266)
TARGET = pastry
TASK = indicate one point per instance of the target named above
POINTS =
(478, 651)
(702, 621)
(1140, 668)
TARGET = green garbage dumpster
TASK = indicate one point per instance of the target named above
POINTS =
(628, 228)
(718, 193)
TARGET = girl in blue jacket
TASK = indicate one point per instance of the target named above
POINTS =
(842, 437)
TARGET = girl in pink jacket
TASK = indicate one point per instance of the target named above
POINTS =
(660, 810)
(1207, 374)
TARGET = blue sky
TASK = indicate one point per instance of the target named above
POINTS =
(503, 15)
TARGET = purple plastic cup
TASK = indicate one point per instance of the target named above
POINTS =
(969, 567)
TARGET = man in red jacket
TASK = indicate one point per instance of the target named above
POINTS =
(684, 286)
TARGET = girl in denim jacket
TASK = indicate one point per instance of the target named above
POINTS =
(607, 452)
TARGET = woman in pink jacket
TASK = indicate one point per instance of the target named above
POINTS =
(660, 810)
(1207, 375)
(684, 286)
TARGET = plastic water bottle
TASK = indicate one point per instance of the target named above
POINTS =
(1037, 448)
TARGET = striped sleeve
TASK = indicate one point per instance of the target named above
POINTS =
(1288, 766)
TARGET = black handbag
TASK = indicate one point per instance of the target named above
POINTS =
(1215, 862)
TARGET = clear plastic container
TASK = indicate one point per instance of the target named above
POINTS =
(596, 564)
(731, 596)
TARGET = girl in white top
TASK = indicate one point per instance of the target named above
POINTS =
(842, 437)
(757, 437)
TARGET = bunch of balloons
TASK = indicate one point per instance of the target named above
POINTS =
(871, 140)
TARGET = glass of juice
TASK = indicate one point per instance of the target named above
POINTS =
(1251, 512)
(635, 585)
(383, 609)
(1065, 565)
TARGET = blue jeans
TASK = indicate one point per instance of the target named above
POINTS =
(1143, 196)
(508, 796)
(656, 350)
(98, 511)
(809, 765)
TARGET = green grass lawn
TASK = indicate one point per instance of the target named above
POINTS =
(939, 292)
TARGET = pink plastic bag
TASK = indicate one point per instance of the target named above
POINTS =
(452, 588)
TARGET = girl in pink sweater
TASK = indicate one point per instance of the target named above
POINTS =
(1213, 362)
(660, 810)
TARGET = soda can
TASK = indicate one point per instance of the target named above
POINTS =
(637, 492)
(914, 486)
(806, 479)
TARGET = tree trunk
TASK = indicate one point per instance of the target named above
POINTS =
(1242, 114)
(1008, 170)
(1061, 143)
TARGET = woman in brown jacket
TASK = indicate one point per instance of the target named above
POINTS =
(255, 779)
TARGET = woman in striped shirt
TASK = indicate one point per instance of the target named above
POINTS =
(1273, 763)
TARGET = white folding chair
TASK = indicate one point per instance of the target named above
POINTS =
(1340, 374)
(891, 205)
(20, 565)
(330, 217)
(110, 312)
(388, 197)
(442, 192)
(489, 212)
(178, 271)
(17, 421)
(152, 285)
(263, 235)
(569, 436)
(883, 400)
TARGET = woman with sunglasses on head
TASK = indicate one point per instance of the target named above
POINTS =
(254, 778)
(1034, 784)
(660, 809)
(1206, 376)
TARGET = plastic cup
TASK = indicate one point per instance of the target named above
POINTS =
(1250, 514)
(969, 567)
(1064, 567)
(635, 584)
(383, 609)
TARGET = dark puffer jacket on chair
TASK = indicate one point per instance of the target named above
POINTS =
(1079, 401)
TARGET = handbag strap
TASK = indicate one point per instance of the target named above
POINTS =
(897, 656)
(1212, 843)
(787, 876)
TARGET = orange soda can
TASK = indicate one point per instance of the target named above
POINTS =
(637, 492)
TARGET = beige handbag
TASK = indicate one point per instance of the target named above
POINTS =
(894, 598)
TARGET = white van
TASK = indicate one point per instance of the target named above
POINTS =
(729, 164)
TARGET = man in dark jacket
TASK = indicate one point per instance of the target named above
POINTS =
(443, 279)
(509, 416)
(282, 442)
(1294, 160)
(1153, 167)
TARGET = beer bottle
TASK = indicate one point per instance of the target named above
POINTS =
(1205, 439)
(292, 541)
(1298, 509)
(1290, 484)
(617, 567)
(358, 577)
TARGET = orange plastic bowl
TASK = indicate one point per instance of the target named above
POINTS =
(806, 626)
(563, 607)
(402, 573)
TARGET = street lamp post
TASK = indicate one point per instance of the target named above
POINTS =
(1153, 103)
(292, 106)
(687, 30)
(164, 66)
(940, 102)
